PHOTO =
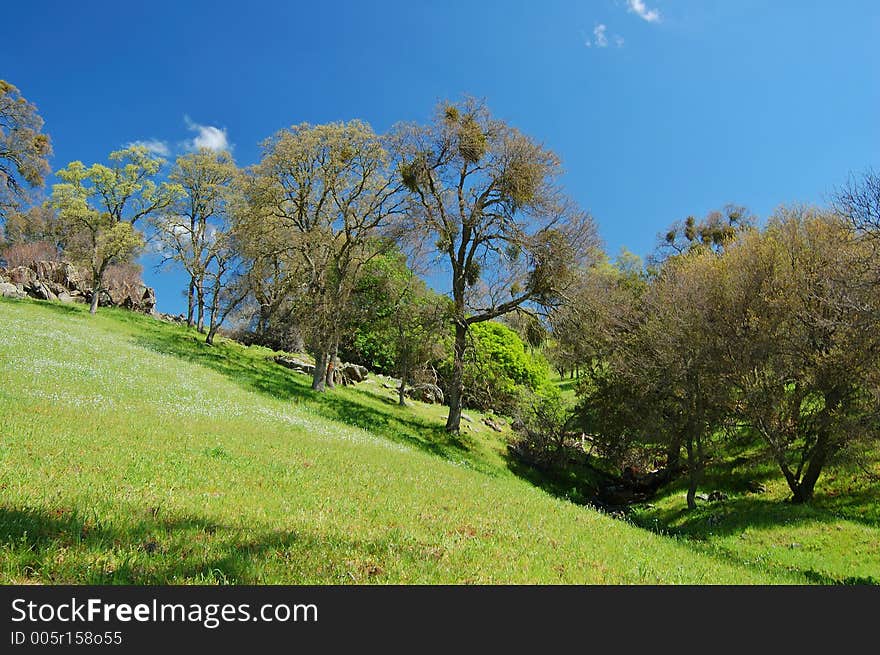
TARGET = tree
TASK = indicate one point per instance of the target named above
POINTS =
(714, 231)
(498, 369)
(859, 201)
(487, 197)
(223, 284)
(397, 325)
(24, 149)
(326, 191)
(598, 311)
(31, 235)
(99, 208)
(187, 233)
(803, 350)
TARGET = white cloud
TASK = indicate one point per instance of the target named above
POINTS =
(638, 7)
(208, 136)
(599, 38)
(153, 145)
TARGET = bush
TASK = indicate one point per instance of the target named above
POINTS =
(498, 369)
(24, 254)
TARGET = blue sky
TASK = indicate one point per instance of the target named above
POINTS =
(658, 108)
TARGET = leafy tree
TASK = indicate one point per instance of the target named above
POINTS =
(714, 231)
(24, 149)
(655, 377)
(188, 234)
(328, 190)
(397, 324)
(99, 208)
(802, 348)
(486, 196)
(600, 305)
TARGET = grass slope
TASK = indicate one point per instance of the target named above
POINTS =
(132, 453)
(833, 540)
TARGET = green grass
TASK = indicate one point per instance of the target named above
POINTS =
(833, 540)
(130, 452)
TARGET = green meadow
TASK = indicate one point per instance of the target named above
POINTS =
(133, 453)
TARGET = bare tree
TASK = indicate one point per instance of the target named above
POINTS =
(187, 233)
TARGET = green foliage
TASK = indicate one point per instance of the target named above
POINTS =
(24, 149)
(498, 369)
(98, 207)
(394, 320)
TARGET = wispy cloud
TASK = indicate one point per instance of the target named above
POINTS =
(601, 39)
(207, 136)
(153, 145)
(639, 8)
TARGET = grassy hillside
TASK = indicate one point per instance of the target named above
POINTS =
(835, 539)
(132, 453)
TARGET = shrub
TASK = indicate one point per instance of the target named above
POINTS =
(498, 369)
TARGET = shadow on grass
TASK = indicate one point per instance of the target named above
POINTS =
(349, 406)
(578, 484)
(64, 546)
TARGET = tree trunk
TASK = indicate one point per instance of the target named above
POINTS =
(319, 377)
(401, 391)
(96, 294)
(453, 422)
(212, 323)
(803, 491)
(190, 302)
(200, 295)
(331, 367)
(673, 456)
(97, 284)
(693, 474)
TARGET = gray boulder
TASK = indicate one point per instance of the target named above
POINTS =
(427, 393)
(9, 290)
(354, 372)
(295, 364)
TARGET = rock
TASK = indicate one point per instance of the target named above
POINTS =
(427, 393)
(170, 318)
(717, 496)
(23, 276)
(467, 418)
(295, 364)
(9, 290)
(493, 424)
(354, 372)
(41, 291)
(66, 297)
(702, 497)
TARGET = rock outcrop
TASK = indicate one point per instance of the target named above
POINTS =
(54, 280)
